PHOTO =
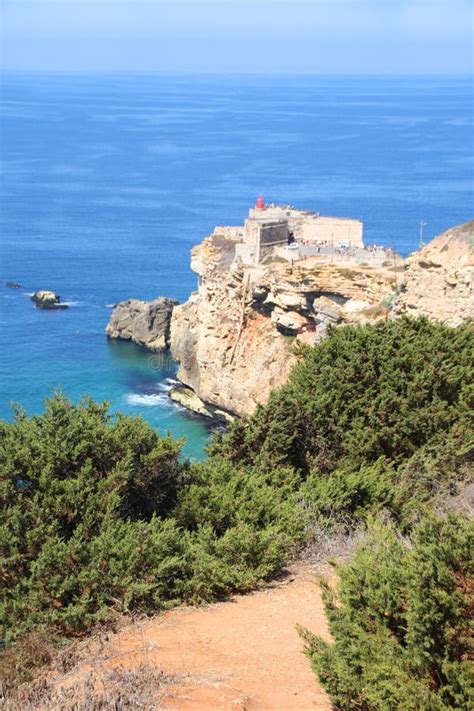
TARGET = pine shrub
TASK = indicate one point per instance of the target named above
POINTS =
(401, 621)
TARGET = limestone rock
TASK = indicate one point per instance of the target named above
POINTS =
(231, 336)
(147, 323)
(327, 310)
(187, 398)
(48, 300)
(289, 322)
(438, 280)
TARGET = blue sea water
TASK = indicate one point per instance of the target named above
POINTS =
(107, 182)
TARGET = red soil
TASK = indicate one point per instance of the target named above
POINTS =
(241, 654)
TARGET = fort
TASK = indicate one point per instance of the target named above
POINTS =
(272, 228)
(283, 280)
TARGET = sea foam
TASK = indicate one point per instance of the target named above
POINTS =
(151, 400)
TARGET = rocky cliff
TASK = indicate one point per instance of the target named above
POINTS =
(237, 336)
(438, 280)
(147, 323)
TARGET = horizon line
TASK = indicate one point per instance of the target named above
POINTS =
(205, 72)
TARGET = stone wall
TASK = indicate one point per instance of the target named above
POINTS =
(230, 232)
(272, 235)
(313, 227)
(279, 212)
(335, 229)
(261, 237)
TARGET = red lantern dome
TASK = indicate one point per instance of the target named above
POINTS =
(260, 204)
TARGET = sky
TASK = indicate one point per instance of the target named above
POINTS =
(244, 36)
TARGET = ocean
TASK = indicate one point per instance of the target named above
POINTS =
(107, 181)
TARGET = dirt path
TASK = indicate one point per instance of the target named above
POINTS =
(241, 654)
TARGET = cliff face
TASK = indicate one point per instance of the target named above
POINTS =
(438, 281)
(234, 338)
(228, 353)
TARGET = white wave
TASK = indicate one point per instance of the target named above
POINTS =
(65, 303)
(152, 400)
(171, 382)
(110, 306)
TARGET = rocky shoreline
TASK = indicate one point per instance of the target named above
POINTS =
(237, 337)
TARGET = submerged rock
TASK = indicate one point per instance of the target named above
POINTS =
(146, 323)
(13, 285)
(48, 300)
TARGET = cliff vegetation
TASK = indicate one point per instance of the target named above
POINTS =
(373, 430)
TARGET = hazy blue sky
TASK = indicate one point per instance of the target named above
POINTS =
(323, 36)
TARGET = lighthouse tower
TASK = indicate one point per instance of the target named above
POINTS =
(260, 204)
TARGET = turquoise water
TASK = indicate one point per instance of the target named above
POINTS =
(107, 182)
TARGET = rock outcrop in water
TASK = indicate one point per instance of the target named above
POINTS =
(48, 300)
(439, 278)
(147, 323)
(237, 336)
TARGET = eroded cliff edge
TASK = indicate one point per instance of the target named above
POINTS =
(236, 338)
(438, 279)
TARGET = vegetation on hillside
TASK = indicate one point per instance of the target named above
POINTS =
(101, 514)
(402, 621)
(374, 417)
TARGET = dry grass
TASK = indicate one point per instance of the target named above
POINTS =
(376, 311)
(113, 689)
(39, 674)
(331, 542)
(25, 659)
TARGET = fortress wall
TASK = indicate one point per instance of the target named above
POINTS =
(271, 236)
(274, 233)
(229, 231)
(252, 231)
(332, 228)
(296, 226)
(277, 212)
(260, 239)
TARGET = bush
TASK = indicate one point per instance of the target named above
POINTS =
(99, 513)
(79, 492)
(401, 621)
(358, 408)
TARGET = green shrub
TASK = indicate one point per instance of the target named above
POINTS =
(79, 492)
(401, 620)
(99, 513)
(358, 408)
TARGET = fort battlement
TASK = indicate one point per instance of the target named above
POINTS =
(274, 226)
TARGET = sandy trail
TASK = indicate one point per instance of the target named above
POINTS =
(240, 654)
